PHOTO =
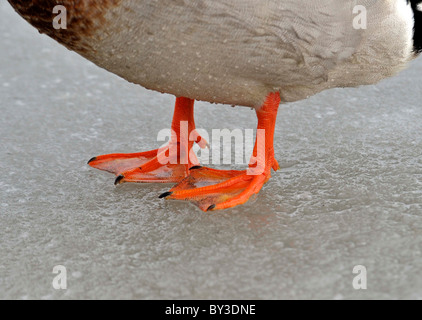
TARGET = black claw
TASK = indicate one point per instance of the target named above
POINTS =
(118, 179)
(165, 195)
(211, 207)
(92, 159)
(195, 167)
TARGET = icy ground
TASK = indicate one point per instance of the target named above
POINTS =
(349, 192)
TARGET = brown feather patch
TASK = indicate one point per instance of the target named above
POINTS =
(84, 17)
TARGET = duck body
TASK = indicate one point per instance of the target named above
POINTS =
(235, 52)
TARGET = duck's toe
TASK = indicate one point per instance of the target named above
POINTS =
(140, 167)
(211, 189)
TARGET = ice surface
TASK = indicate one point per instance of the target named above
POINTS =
(349, 192)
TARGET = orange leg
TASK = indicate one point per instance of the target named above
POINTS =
(169, 164)
(212, 189)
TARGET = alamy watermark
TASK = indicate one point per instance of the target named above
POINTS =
(60, 281)
(360, 21)
(60, 20)
(360, 281)
(220, 140)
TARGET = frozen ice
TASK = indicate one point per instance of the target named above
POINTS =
(349, 192)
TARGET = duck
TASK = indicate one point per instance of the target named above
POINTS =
(252, 53)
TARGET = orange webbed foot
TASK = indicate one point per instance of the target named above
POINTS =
(119, 162)
(169, 164)
(211, 189)
(140, 167)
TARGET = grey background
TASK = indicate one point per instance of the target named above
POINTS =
(349, 192)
